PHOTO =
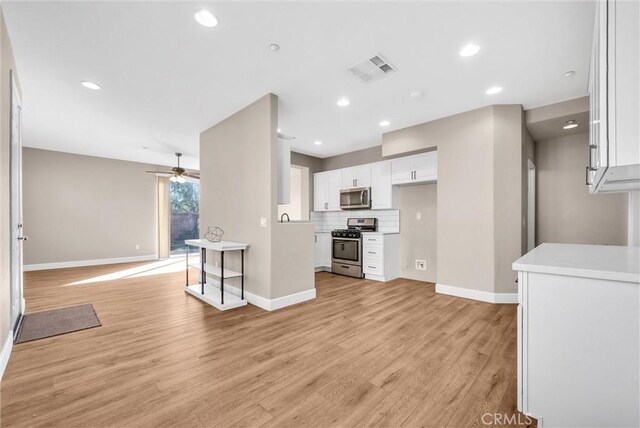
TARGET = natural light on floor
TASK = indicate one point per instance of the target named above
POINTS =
(171, 265)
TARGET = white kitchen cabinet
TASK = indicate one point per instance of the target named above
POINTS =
(320, 192)
(614, 84)
(357, 176)
(381, 189)
(422, 168)
(380, 256)
(323, 251)
(578, 335)
(333, 190)
(326, 191)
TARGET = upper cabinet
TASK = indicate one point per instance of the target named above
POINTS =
(326, 191)
(357, 176)
(614, 84)
(422, 168)
(379, 176)
(381, 190)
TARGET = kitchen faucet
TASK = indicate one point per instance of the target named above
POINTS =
(282, 217)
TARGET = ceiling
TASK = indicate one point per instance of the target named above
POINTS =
(165, 78)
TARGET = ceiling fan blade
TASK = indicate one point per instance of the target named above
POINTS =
(160, 172)
(192, 175)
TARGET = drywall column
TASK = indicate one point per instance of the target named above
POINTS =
(238, 177)
(465, 209)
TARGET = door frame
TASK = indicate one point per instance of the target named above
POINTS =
(15, 191)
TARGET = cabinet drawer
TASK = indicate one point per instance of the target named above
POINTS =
(373, 251)
(372, 239)
(375, 268)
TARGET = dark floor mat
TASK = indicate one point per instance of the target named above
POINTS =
(58, 321)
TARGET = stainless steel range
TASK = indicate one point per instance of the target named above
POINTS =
(346, 246)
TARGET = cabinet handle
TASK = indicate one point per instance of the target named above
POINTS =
(372, 252)
(326, 205)
(587, 171)
(316, 236)
(372, 267)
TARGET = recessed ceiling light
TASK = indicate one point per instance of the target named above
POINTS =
(570, 124)
(274, 47)
(279, 130)
(317, 142)
(343, 102)
(385, 123)
(469, 50)
(90, 85)
(416, 95)
(494, 90)
(206, 18)
(569, 73)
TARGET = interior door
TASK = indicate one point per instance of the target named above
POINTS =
(17, 237)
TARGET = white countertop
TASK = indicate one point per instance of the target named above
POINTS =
(588, 261)
(216, 246)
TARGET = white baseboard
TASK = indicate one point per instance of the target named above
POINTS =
(6, 353)
(80, 263)
(273, 304)
(483, 296)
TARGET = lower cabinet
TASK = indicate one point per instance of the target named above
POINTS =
(578, 349)
(323, 251)
(381, 256)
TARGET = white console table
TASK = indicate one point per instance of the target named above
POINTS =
(213, 292)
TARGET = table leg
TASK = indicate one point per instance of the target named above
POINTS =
(242, 272)
(222, 277)
(203, 274)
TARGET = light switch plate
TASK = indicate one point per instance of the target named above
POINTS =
(418, 216)
(421, 264)
(263, 222)
(137, 246)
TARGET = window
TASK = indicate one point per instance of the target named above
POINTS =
(185, 214)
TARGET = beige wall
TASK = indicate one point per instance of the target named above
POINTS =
(566, 212)
(528, 154)
(418, 237)
(370, 155)
(238, 187)
(479, 154)
(508, 121)
(7, 63)
(85, 208)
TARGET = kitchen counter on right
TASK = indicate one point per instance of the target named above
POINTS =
(579, 335)
(586, 261)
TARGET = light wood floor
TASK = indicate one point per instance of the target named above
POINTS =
(362, 353)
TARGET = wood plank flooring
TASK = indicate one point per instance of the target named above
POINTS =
(362, 354)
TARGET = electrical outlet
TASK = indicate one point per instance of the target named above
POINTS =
(421, 264)
(137, 246)
(418, 216)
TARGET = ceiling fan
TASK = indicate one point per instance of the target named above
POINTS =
(178, 173)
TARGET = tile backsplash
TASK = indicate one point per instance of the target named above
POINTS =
(326, 221)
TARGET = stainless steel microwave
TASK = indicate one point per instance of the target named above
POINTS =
(355, 199)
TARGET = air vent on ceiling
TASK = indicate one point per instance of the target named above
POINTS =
(372, 69)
